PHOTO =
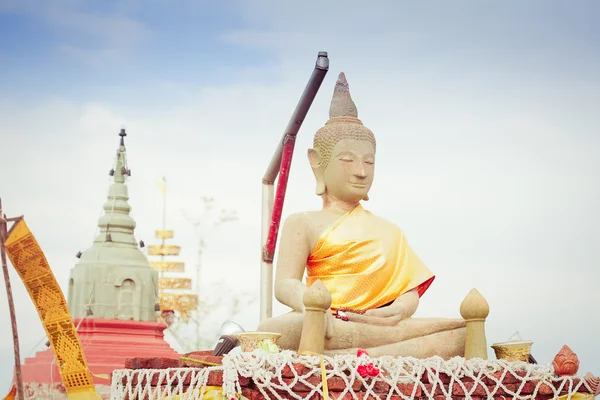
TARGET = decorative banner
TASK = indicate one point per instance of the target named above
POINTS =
(178, 302)
(168, 266)
(174, 283)
(28, 259)
(163, 250)
(164, 234)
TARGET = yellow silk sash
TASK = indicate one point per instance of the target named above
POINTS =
(365, 262)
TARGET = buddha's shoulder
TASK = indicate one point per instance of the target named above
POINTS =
(382, 221)
(306, 217)
(299, 219)
(311, 220)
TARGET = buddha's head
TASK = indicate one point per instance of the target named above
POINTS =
(343, 153)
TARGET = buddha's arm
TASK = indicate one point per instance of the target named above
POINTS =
(406, 305)
(403, 307)
(294, 250)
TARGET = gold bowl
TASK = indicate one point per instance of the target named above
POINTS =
(250, 341)
(513, 351)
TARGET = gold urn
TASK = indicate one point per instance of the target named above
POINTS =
(513, 351)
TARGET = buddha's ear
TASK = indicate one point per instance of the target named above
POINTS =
(314, 158)
(366, 198)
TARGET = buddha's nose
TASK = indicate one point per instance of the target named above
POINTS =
(360, 172)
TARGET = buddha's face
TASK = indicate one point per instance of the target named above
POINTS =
(348, 175)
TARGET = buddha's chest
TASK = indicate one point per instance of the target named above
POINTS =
(362, 231)
(318, 224)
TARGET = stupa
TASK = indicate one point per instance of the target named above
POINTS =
(112, 295)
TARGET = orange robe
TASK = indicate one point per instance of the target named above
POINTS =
(365, 262)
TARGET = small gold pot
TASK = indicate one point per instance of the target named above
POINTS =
(513, 351)
(250, 341)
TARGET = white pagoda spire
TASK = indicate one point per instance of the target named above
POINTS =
(116, 225)
(113, 278)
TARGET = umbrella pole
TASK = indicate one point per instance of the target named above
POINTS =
(272, 202)
(11, 304)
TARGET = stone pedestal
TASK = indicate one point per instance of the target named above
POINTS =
(106, 344)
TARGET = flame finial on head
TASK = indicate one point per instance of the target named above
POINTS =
(341, 103)
(343, 123)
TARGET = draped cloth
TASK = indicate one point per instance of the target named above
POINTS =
(365, 262)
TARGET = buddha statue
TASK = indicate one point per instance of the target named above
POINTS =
(374, 278)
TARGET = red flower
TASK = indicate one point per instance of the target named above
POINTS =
(368, 370)
(362, 352)
(362, 371)
(372, 370)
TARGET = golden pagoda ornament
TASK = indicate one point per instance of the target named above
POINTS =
(174, 292)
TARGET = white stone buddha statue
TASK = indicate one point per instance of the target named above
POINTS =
(373, 276)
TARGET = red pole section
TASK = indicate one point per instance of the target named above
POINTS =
(284, 173)
(282, 158)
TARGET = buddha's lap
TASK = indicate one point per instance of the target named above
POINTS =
(445, 344)
(347, 334)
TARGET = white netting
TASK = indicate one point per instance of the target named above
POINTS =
(140, 384)
(287, 375)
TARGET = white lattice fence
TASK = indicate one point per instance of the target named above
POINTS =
(287, 375)
(149, 384)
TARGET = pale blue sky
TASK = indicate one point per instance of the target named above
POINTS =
(485, 112)
(80, 49)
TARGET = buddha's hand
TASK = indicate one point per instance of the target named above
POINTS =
(329, 318)
(386, 316)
